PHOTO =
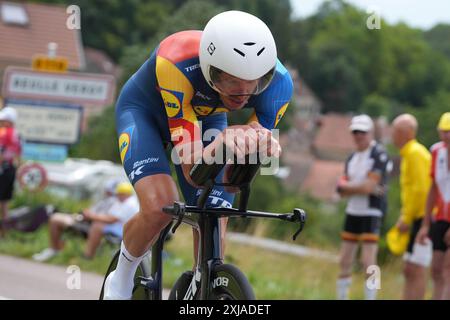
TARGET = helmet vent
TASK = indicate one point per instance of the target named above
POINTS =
(249, 43)
(239, 51)
(260, 51)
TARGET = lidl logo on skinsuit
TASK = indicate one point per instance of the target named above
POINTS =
(203, 110)
(124, 144)
(206, 110)
(280, 114)
(172, 103)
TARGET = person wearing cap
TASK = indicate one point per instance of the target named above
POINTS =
(105, 217)
(112, 222)
(437, 227)
(414, 185)
(10, 151)
(363, 184)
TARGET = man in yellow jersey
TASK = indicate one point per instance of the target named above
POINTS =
(414, 183)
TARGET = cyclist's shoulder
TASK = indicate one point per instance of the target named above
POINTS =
(378, 148)
(280, 89)
(437, 146)
(177, 63)
(282, 76)
(417, 150)
(180, 46)
(379, 152)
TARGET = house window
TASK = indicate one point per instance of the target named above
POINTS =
(13, 13)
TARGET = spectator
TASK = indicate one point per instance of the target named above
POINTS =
(10, 151)
(106, 217)
(415, 183)
(364, 185)
(439, 200)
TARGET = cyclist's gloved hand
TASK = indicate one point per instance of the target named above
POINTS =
(240, 140)
(268, 146)
(243, 140)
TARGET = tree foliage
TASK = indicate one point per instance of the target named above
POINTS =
(100, 141)
(439, 38)
(428, 116)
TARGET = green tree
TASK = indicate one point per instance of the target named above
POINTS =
(375, 105)
(428, 116)
(192, 15)
(111, 25)
(100, 140)
(439, 38)
(343, 61)
(275, 13)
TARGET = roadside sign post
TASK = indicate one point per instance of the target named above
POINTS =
(44, 63)
(69, 87)
(50, 62)
(32, 177)
(49, 101)
(49, 105)
(47, 128)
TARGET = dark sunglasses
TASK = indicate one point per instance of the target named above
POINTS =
(358, 132)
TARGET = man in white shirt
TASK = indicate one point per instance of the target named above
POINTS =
(363, 184)
(105, 217)
(111, 222)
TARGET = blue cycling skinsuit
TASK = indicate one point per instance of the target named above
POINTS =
(169, 94)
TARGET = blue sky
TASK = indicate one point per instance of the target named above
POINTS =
(422, 14)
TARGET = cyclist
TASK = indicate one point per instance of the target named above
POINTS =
(415, 183)
(439, 198)
(363, 184)
(181, 94)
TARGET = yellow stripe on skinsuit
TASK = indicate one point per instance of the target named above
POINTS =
(170, 78)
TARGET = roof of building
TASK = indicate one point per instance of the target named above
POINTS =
(322, 179)
(333, 134)
(27, 28)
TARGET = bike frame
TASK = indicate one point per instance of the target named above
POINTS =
(206, 222)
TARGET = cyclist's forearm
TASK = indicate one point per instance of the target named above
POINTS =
(186, 169)
(189, 154)
(105, 218)
(367, 187)
(17, 161)
(206, 155)
(431, 200)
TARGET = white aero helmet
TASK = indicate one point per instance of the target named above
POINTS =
(241, 45)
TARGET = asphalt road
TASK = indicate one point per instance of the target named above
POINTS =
(28, 280)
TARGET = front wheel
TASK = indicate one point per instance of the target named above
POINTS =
(229, 283)
(139, 292)
(181, 286)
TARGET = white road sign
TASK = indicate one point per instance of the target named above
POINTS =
(47, 123)
(77, 88)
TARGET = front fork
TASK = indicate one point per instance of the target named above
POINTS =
(210, 249)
